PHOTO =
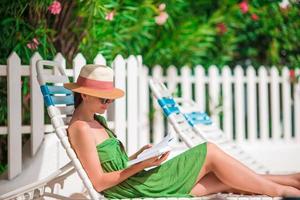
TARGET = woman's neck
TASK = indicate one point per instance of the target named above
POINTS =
(84, 113)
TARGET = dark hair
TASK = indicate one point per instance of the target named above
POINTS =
(77, 99)
(77, 102)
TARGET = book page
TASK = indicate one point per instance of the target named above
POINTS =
(156, 150)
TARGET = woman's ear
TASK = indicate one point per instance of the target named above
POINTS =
(83, 96)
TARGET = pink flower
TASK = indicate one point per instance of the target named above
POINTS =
(244, 7)
(55, 7)
(284, 4)
(254, 17)
(221, 28)
(110, 16)
(161, 7)
(33, 44)
(35, 41)
(161, 18)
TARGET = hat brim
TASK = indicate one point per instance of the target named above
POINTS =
(107, 94)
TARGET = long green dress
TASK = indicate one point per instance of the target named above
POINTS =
(174, 178)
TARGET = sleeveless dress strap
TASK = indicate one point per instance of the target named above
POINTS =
(103, 122)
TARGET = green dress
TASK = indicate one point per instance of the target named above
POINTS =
(174, 178)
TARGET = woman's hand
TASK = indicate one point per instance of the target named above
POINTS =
(134, 156)
(155, 161)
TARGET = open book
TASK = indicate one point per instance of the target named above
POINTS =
(156, 150)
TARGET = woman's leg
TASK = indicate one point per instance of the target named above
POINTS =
(236, 175)
(210, 184)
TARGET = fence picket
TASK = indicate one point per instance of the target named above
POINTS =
(132, 96)
(186, 84)
(239, 104)
(227, 102)
(214, 93)
(251, 104)
(275, 106)
(119, 66)
(158, 120)
(37, 111)
(99, 59)
(263, 104)
(200, 87)
(143, 102)
(14, 115)
(78, 62)
(297, 108)
(286, 104)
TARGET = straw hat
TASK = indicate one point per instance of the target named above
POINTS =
(97, 81)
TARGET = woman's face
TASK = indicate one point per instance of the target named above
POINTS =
(98, 105)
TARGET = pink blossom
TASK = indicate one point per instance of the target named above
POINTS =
(161, 18)
(35, 41)
(254, 17)
(244, 7)
(110, 16)
(284, 4)
(221, 28)
(55, 7)
(161, 7)
(33, 44)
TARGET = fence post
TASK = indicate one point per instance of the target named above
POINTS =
(227, 102)
(14, 115)
(263, 103)
(119, 67)
(214, 93)
(251, 104)
(158, 120)
(239, 104)
(200, 87)
(286, 104)
(36, 108)
(78, 62)
(143, 102)
(275, 106)
(132, 105)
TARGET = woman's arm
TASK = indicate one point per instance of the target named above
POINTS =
(85, 148)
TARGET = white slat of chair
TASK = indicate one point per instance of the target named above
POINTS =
(227, 102)
(172, 82)
(263, 104)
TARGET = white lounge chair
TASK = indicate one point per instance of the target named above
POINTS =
(60, 107)
(194, 126)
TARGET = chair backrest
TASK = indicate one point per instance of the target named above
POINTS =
(60, 106)
(174, 115)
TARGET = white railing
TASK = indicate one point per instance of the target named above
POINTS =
(255, 107)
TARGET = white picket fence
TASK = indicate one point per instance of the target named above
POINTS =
(262, 106)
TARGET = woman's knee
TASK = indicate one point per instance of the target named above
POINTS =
(212, 149)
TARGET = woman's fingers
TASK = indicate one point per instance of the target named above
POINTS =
(162, 158)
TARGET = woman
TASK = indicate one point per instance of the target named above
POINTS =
(202, 170)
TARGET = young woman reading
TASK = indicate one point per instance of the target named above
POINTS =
(202, 170)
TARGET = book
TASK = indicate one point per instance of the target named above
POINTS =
(156, 150)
